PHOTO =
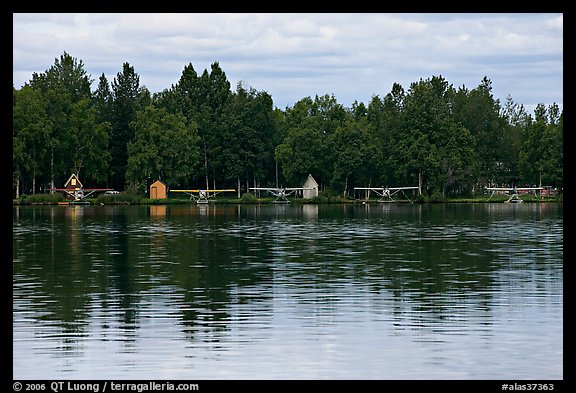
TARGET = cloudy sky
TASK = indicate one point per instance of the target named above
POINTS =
(352, 56)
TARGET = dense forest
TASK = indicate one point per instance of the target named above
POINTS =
(200, 133)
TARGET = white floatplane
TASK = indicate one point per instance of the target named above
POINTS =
(201, 196)
(386, 193)
(513, 192)
(281, 194)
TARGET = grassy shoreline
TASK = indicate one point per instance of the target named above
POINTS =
(247, 199)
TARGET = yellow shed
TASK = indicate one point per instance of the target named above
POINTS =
(157, 190)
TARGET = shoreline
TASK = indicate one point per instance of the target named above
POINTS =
(270, 202)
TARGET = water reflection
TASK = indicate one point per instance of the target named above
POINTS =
(192, 285)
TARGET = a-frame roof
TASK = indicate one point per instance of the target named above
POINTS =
(73, 176)
(310, 182)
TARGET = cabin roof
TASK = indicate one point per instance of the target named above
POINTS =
(73, 176)
(310, 181)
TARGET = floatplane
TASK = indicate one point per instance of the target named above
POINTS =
(513, 192)
(386, 193)
(201, 196)
(281, 193)
(74, 190)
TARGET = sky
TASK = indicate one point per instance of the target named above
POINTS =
(351, 56)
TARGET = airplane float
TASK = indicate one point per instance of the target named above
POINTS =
(281, 194)
(74, 190)
(386, 193)
(513, 192)
(201, 196)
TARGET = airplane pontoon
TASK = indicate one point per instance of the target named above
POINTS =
(386, 193)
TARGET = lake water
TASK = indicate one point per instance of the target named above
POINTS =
(379, 291)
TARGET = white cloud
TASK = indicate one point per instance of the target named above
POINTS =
(291, 56)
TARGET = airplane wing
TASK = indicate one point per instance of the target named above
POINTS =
(370, 188)
(385, 188)
(403, 188)
(69, 192)
(279, 189)
(81, 189)
(80, 193)
(224, 190)
(514, 188)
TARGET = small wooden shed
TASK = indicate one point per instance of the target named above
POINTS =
(310, 188)
(158, 190)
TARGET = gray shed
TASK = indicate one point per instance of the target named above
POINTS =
(310, 188)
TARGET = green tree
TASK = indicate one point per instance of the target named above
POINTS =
(186, 97)
(67, 77)
(306, 147)
(386, 116)
(302, 153)
(541, 157)
(350, 153)
(62, 85)
(215, 88)
(202, 100)
(125, 91)
(88, 141)
(31, 129)
(433, 146)
(517, 123)
(553, 163)
(103, 101)
(248, 125)
(165, 147)
(479, 112)
(366, 121)
(457, 160)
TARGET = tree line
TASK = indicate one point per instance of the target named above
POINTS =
(200, 133)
